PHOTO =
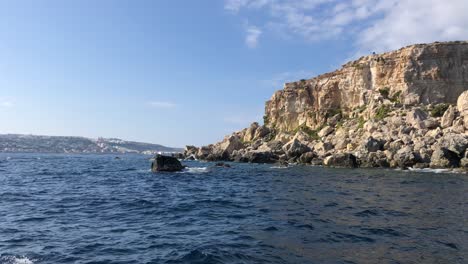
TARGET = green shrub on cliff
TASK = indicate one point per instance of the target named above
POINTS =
(382, 112)
(439, 110)
(384, 92)
(361, 122)
(396, 97)
(313, 133)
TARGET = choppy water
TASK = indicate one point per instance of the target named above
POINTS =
(97, 209)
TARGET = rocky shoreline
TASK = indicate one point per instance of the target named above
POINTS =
(402, 109)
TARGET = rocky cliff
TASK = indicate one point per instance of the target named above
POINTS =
(426, 73)
(405, 108)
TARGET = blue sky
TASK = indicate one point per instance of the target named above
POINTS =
(186, 72)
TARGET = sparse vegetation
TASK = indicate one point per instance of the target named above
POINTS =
(385, 92)
(382, 112)
(265, 119)
(439, 110)
(313, 133)
(361, 122)
(396, 97)
(362, 108)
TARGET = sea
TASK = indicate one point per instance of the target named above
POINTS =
(60, 208)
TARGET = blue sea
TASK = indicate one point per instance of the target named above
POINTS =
(57, 208)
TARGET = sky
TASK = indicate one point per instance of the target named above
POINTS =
(178, 72)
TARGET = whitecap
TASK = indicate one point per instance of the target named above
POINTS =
(278, 167)
(430, 170)
(16, 260)
(195, 170)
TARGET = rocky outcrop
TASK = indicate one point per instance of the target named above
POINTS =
(166, 163)
(407, 108)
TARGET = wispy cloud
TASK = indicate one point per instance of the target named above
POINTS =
(373, 25)
(5, 103)
(253, 34)
(161, 104)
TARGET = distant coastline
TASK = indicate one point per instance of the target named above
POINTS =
(19, 143)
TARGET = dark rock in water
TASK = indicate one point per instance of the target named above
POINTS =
(343, 160)
(165, 163)
(222, 164)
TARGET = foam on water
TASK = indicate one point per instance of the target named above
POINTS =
(430, 170)
(15, 260)
(195, 170)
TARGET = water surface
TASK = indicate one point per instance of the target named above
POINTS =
(98, 209)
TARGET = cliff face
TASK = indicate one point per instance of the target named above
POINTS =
(417, 74)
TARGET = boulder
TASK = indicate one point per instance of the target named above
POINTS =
(462, 106)
(373, 145)
(462, 103)
(261, 132)
(322, 147)
(416, 118)
(325, 131)
(224, 149)
(448, 117)
(444, 158)
(250, 133)
(454, 142)
(295, 148)
(342, 160)
(166, 163)
(374, 160)
(404, 158)
(307, 157)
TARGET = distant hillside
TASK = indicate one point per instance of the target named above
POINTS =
(54, 144)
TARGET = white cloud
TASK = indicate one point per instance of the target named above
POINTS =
(4, 103)
(253, 33)
(372, 25)
(159, 104)
(417, 21)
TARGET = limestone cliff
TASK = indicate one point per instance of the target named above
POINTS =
(424, 73)
(405, 108)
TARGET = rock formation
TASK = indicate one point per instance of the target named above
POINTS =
(405, 108)
(166, 163)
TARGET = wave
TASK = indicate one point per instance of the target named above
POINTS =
(430, 170)
(278, 167)
(195, 170)
(15, 260)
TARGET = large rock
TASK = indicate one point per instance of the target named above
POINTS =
(224, 149)
(454, 142)
(373, 145)
(341, 160)
(404, 158)
(250, 133)
(325, 131)
(444, 158)
(462, 106)
(416, 118)
(448, 117)
(166, 163)
(295, 148)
